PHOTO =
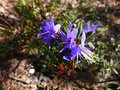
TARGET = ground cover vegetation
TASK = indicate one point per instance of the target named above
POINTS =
(61, 45)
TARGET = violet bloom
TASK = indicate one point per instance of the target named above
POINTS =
(87, 29)
(73, 52)
(69, 39)
(85, 51)
(45, 0)
(49, 30)
(70, 49)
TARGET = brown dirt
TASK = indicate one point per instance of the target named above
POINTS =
(15, 75)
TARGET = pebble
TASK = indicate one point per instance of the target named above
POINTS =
(32, 71)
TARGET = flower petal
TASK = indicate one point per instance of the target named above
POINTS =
(46, 39)
(69, 29)
(94, 27)
(83, 38)
(51, 22)
(45, 0)
(63, 36)
(74, 33)
(57, 28)
(45, 25)
(48, 30)
(87, 27)
(75, 50)
(68, 57)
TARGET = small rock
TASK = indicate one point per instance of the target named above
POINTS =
(32, 71)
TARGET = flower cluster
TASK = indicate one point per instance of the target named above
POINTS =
(49, 30)
(72, 48)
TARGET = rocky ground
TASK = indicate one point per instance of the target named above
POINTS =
(16, 76)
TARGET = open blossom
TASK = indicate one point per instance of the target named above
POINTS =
(71, 48)
(69, 39)
(72, 52)
(49, 30)
(87, 29)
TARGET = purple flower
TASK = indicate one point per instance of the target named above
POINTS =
(69, 39)
(85, 51)
(89, 28)
(72, 53)
(70, 49)
(85, 30)
(49, 30)
(45, 0)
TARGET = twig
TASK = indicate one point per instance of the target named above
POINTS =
(108, 81)
(18, 79)
(6, 23)
(80, 86)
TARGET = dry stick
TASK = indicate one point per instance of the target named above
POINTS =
(73, 65)
(68, 85)
(7, 23)
(108, 81)
(17, 79)
(24, 83)
(3, 27)
(11, 11)
(13, 70)
(80, 86)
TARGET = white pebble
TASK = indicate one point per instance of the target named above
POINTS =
(32, 71)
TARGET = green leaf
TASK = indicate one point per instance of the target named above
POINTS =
(1, 88)
(116, 72)
(113, 86)
(21, 2)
